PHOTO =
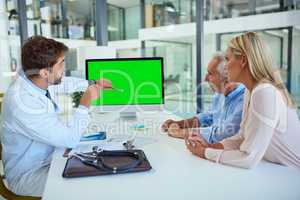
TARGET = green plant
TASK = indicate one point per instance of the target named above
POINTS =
(76, 96)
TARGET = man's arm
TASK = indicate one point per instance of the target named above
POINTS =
(33, 119)
(205, 119)
(189, 123)
(202, 119)
(231, 125)
(69, 85)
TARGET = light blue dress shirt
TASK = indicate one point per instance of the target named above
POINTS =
(224, 118)
(30, 131)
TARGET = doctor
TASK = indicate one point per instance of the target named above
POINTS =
(31, 127)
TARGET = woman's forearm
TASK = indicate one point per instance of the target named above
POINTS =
(216, 146)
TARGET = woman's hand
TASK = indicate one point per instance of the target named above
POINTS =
(198, 137)
(196, 145)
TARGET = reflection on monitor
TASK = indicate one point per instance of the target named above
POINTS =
(137, 83)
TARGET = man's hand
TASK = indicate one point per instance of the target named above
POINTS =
(195, 147)
(175, 131)
(183, 124)
(166, 124)
(104, 83)
(93, 91)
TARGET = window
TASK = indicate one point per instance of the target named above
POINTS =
(10, 48)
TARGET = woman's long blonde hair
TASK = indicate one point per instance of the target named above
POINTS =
(260, 61)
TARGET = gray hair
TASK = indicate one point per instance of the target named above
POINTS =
(221, 57)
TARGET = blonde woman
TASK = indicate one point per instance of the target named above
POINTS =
(270, 127)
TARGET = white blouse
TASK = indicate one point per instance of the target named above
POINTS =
(269, 129)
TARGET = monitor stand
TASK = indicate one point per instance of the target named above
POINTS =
(128, 115)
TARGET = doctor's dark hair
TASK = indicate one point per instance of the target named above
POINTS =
(39, 53)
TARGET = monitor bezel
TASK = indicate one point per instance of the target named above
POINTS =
(130, 59)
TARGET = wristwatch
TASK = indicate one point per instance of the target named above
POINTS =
(91, 82)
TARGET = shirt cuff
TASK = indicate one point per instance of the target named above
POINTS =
(226, 147)
(205, 132)
(82, 109)
(213, 154)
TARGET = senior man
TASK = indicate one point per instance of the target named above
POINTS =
(224, 117)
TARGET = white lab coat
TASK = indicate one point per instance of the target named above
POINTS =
(31, 129)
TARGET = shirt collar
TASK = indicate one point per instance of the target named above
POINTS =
(237, 91)
(34, 87)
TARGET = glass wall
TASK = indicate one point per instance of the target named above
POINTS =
(208, 51)
(167, 12)
(116, 16)
(10, 47)
(179, 79)
(295, 73)
(217, 9)
(62, 19)
(277, 40)
(132, 22)
(124, 20)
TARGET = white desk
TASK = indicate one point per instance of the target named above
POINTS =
(176, 174)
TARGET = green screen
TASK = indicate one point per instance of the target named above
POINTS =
(136, 81)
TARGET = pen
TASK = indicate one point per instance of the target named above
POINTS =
(117, 89)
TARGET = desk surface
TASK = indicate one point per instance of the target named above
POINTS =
(176, 174)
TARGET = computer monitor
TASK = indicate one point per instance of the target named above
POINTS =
(137, 84)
